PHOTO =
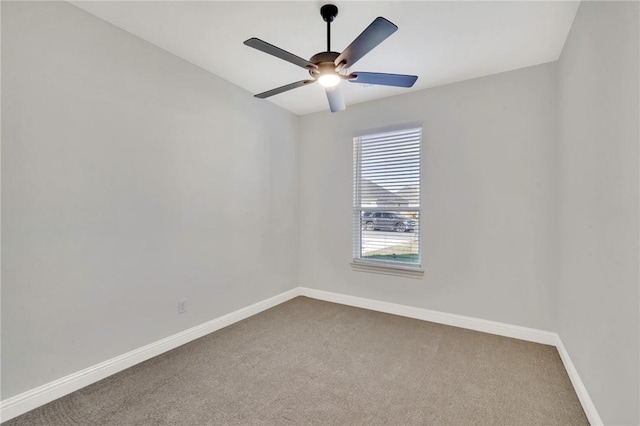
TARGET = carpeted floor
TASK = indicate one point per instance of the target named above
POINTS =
(312, 362)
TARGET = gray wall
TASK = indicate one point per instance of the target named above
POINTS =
(130, 179)
(597, 291)
(488, 148)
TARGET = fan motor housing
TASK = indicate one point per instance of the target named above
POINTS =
(325, 62)
(321, 57)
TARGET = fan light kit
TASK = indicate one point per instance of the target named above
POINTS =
(329, 80)
(330, 68)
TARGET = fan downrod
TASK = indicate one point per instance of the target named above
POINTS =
(329, 12)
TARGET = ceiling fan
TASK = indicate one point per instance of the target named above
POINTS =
(330, 68)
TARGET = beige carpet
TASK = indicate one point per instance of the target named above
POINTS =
(312, 362)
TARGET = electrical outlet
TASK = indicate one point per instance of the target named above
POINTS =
(182, 306)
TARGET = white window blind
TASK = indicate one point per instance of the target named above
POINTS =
(386, 209)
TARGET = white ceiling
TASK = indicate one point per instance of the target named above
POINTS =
(441, 42)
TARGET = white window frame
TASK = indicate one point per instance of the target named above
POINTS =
(405, 269)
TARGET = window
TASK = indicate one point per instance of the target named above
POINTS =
(386, 199)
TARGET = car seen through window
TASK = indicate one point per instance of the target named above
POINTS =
(387, 221)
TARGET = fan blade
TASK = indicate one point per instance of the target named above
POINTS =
(284, 88)
(372, 36)
(265, 47)
(336, 101)
(398, 80)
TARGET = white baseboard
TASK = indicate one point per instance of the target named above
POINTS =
(41, 395)
(486, 326)
(20, 404)
(587, 405)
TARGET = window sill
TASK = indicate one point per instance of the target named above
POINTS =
(396, 270)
